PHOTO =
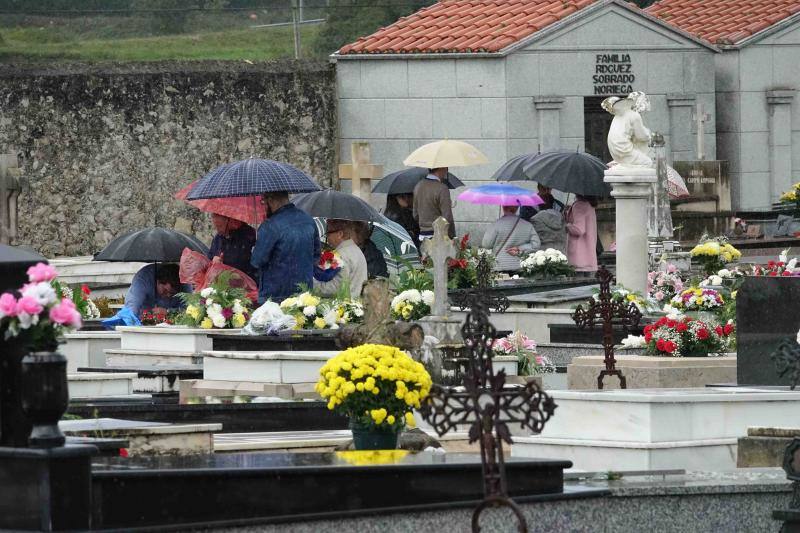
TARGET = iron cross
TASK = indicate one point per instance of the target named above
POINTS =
(610, 312)
(488, 407)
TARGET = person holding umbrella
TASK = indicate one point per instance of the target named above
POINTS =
(353, 270)
(399, 208)
(233, 244)
(287, 248)
(582, 234)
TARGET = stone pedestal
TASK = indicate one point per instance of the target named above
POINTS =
(649, 372)
(46, 489)
(87, 348)
(447, 330)
(631, 189)
(764, 447)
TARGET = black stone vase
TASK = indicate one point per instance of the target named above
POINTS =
(14, 424)
(45, 396)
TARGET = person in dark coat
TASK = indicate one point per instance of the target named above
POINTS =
(550, 202)
(399, 209)
(233, 244)
(376, 263)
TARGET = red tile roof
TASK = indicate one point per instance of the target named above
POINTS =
(724, 21)
(466, 26)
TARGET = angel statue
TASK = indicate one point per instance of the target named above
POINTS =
(628, 137)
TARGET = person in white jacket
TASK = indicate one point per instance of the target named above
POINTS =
(353, 264)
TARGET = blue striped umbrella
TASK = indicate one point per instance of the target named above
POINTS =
(252, 177)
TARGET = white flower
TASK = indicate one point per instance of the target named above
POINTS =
(289, 302)
(673, 313)
(784, 256)
(725, 273)
(427, 298)
(331, 317)
(633, 341)
(310, 310)
(214, 310)
(92, 310)
(208, 291)
(358, 310)
(237, 306)
(218, 321)
(26, 320)
(414, 296)
(791, 265)
(42, 292)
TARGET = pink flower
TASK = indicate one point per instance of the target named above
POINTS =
(41, 272)
(29, 306)
(659, 295)
(672, 269)
(66, 314)
(8, 305)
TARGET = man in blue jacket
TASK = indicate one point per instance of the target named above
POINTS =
(287, 249)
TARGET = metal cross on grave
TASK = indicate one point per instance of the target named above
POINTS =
(360, 171)
(488, 407)
(439, 248)
(482, 292)
(610, 312)
(700, 119)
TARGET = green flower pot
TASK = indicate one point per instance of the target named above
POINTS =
(373, 438)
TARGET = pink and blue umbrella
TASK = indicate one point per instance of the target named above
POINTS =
(500, 194)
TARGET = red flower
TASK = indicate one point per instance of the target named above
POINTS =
(728, 329)
(670, 347)
(464, 241)
(772, 274)
(703, 334)
(681, 327)
(660, 345)
(648, 337)
(719, 330)
(85, 289)
(647, 329)
(123, 452)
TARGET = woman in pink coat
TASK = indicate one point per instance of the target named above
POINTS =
(582, 234)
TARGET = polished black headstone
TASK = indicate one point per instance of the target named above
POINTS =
(767, 312)
(294, 341)
(219, 488)
(572, 334)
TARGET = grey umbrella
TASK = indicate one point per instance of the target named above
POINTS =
(513, 169)
(336, 204)
(404, 181)
(150, 245)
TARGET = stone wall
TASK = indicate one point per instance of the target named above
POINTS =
(104, 148)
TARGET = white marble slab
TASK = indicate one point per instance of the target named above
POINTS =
(100, 384)
(87, 348)
(133, 358)
(169, 338)
(669, 428)
(265, 367)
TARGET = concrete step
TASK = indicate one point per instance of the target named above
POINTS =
(128, 358)
(154, 379)
(97, 384)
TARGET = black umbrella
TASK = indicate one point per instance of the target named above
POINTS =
(335, 204)
(14, 263)
(150, 245)
(568, 171)
(513, 169)
(404, 181)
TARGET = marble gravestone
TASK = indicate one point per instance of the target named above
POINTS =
(766, 313)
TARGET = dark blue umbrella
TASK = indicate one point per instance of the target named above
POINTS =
(568, 171)
(252, 177)
(404, 181)
(150, 245)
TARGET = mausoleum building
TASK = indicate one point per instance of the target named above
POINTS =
(518, 76)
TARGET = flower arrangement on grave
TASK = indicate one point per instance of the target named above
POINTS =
(377, 387)
(548, 263)
(730, 279)
(372, 457)
(86, 307)
(38, 314)
(216, 306)
(529, 363)
(663, 285)
(412, 304)
(621, 294)
(154, 317)
(461, 269)
(791, 199)
(783, 267)
(313, 312)
(686, 337)
(698, 299)
(714, 254)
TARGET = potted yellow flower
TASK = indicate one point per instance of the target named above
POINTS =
(378, 387)
(715, 254)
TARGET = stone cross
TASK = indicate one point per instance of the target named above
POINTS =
(439, 249)
(361, 171)
(700, 119)
(9, 192)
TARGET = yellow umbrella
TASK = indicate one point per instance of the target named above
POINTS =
(445, 153)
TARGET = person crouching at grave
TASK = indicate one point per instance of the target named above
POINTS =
(353, 271)
(431, 201)
(510, 238)
(154, 288)
(233, 243)
(399, 209)
(582, 234)
(376, 263)
(287, 249)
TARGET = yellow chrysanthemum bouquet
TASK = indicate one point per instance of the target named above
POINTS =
(791, 199)
(714, 254)
(378, 387)
(217, 306)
